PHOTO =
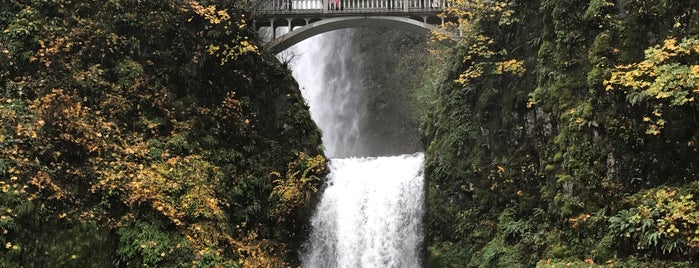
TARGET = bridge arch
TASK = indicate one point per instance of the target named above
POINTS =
(330, 24)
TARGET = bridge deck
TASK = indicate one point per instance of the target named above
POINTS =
(305, 18)
(338, 8)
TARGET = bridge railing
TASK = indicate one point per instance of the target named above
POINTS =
(280, 7)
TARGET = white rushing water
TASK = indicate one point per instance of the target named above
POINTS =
(370, 214)
(329, 79)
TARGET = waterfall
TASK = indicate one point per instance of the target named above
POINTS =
(370, 214)
(329, 77)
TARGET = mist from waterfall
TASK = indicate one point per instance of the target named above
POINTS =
(370, 214)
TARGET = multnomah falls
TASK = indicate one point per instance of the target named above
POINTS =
(377, 133)
(371, 210)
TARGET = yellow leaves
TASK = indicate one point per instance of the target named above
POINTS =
(472, 12)
(469, 74)
(60, 44)
(210, 13)
(694, 70)
(231, 52)
(223, 15)
(482, 56)
(242, 24)
(668, 76)
(226, 51)
(512, 66)
(180, 188)
(212, 49)
(657, 112)
(300, 180)
(477, 69)
(75, 122)
(42, 181)
(246, 47)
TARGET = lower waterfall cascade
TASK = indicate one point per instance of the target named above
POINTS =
(370, 214)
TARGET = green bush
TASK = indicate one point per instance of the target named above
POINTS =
(661, 220)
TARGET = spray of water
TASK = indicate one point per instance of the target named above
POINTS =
(371, 210)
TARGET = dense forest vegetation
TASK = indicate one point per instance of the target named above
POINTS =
(148, 134)
(564, 134)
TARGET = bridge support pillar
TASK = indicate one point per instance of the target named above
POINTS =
(274, 29)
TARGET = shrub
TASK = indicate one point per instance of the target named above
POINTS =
(662, 220)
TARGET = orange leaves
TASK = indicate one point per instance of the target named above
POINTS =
(501, 170)
(577, 220)
(231, 104)
(42, 181)
(52, 48)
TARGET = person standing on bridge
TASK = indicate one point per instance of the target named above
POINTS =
(334, 4)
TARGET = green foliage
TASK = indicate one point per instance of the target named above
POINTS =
(667, 77)
(597, 9)
(301, 180)
(497, 254)
(123, 138)
(631, 262)
(555, 140)
(661, 220)
(149, 243)
(156, 149)
(446, 254)
(482, 54)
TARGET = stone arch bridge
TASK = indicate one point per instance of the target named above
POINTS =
(307, 18)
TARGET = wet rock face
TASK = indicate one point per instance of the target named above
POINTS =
(391, 70)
